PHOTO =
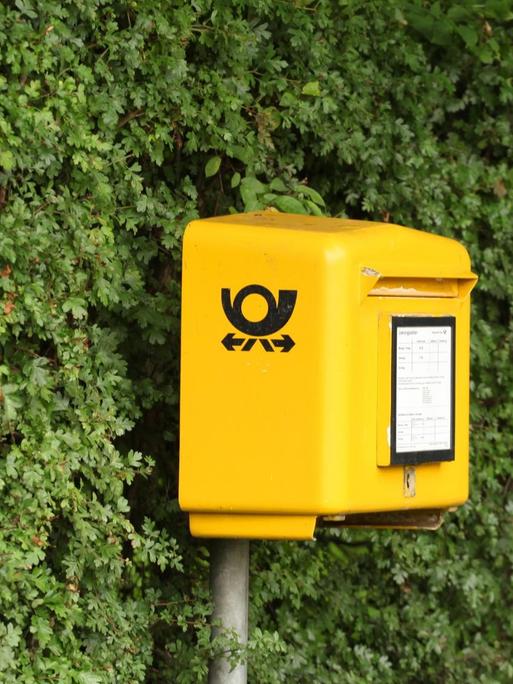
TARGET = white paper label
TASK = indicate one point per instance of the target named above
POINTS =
(423, 388)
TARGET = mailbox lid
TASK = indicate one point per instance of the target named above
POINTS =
(384, 248)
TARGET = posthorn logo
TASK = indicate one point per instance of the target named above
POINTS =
(262, 331)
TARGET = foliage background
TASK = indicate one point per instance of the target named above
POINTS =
(121, 121)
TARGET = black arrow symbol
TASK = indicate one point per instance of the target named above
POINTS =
(266, 345)
(250, 343)
(230, 341)
(286, 343)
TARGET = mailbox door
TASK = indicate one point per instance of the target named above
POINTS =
(413, 370)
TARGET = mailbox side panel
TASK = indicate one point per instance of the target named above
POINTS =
(256, 431)
(380, 487)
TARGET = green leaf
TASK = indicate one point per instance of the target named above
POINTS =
(469, 35)
(7, 160)
(252, 184)
(269, 197)
(314, 209)
(10, 402)
(250, 189)
(312, 194)
(88, 678)
(235, 180)
(288, 99)
(312, 88)
(243, 154)
(77, 306)
(290, 205)
(212, 166)
(278, 185)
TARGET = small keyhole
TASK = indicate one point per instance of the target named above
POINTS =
(409, 482)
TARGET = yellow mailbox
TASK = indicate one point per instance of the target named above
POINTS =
(325, 375)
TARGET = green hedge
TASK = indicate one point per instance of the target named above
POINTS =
(121, 121)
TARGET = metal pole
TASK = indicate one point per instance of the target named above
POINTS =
(229, 580)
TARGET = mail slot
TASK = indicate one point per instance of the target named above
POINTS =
(325, 375)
